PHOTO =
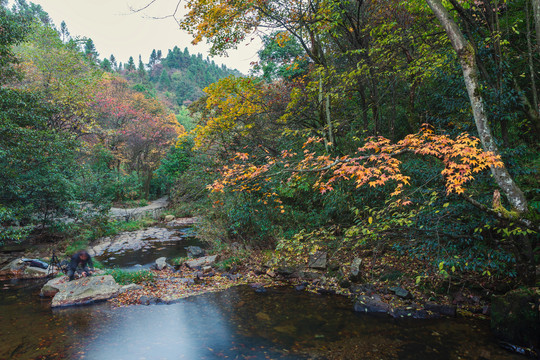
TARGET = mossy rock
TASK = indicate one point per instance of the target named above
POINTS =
(515, 317)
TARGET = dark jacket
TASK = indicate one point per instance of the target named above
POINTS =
(76, 261)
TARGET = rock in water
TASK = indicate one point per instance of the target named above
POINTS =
(17, 264)
(82, 291)
(446, 310)
(194, 251)
(371, 304)
(35, 272)
(515, 317)
(53, 286)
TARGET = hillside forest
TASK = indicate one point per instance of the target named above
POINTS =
(407, 128)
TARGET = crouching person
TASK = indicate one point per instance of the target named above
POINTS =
(80, 263)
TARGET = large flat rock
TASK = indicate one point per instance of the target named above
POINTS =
(202, 261)
(82, 291)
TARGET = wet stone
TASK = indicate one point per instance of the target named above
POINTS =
(195, 252)
(446, 310)
(371, 304)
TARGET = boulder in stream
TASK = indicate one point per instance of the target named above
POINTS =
(83, 291)
(17, 264)
(195, 251)
(371, 304)
(32, 272)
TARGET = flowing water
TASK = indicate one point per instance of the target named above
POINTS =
(234, 324)
(171, 243)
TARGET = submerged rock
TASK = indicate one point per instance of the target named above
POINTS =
(412, 313)
(82, 291)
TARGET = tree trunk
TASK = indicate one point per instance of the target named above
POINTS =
(536, 11)
(530, 58)
(466, 55)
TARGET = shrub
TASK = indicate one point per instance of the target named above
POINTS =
(124, 277)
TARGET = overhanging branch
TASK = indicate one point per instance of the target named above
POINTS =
(502, 216)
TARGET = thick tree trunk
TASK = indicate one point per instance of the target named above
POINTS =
(467, 59)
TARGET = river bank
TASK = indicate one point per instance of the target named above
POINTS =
(371, 284)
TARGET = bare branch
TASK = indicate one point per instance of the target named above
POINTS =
(133, 10)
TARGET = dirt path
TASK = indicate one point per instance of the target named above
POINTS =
(153, 209)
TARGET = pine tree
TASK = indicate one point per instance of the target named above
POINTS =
(114, 65)
(130, 66)
(141, 70)
(106, 65)
(153, 58)
(90, 50)
(64, 33)
(164, 80)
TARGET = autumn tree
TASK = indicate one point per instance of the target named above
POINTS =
(137, 129)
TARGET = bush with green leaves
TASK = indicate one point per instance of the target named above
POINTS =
(124, 277)
(37, 162)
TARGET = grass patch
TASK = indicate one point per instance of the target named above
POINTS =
(179, 260)
(133, 225)
(227, 264)
(124, 277)
(97, 264)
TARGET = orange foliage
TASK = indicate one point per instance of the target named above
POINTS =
(374, 164)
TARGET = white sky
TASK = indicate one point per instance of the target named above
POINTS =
(115, 30)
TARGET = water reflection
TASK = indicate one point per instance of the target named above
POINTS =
(236, 324)
(151, 249)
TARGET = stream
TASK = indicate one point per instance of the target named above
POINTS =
(238, 323)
